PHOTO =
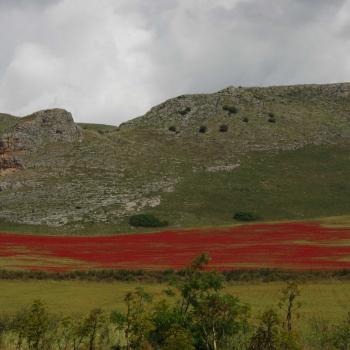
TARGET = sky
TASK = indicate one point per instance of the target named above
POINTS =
(107, 61)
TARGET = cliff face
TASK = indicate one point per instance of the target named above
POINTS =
(35, 131)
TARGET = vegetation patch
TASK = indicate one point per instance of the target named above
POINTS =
(230, 109)
(223, 128)
(146, 220)
(272, 118)
(202, 129)
(185, 111)
(196, 311)
(245, 216)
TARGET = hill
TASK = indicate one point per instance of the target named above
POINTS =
(279, 152)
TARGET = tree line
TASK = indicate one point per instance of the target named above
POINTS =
(195, 314)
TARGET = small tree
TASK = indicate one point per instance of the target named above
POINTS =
(33, 326)
(213, 316)
(171, 326)
(172, 128)
(289, 304)
(136, 322)
(266, 335)
(218, 317)
(92, 325)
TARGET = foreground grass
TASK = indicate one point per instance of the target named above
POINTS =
(329, 300)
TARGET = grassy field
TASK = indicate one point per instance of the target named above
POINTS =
(330, 300)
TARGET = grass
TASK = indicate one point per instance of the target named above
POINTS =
(277, 186)
(336, 221)
(329, 300)
(6, 121)
(101, 128)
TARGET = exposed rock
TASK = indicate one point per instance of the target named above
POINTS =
(37, 129)
(7, 161)
(217, 168)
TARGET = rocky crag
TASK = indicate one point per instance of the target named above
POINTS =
(35, 131)
(281, 152)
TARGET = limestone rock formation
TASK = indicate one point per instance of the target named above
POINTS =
(47, 126)
(34, 131)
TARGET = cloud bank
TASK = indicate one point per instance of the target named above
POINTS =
(110, 60)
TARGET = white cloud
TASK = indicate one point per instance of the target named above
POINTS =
(110, 60)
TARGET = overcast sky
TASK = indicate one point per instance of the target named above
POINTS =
(107, 61)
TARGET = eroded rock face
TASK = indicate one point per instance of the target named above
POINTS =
(47, 126)
(35, 130)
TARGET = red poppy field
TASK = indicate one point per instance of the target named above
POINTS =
(285, 245)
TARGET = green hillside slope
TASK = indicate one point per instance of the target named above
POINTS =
(284, 155)
(6, 121)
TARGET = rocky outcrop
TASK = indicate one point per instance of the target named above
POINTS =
(47, 126)
(34, 131)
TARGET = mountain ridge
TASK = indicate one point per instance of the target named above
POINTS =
(281, 152)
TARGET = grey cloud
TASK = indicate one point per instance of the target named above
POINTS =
(110, 60)
(15, 4)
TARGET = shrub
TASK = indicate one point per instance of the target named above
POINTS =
(172, 128)
(223, 128)
(230, 109)
(146, 220)
(245, 216)
(245, 119)
(185, 111)
(272, 118)
(202, 129)
(266, 335)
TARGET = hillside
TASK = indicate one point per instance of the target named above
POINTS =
(6, 121)
(282, 152)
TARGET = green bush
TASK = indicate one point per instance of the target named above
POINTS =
(272, 118)
(202, 129)
(245, 216)
(230, 109)
(146, 220)
(172, 128)
(185, 111)
(223, 128)
(245, 119)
